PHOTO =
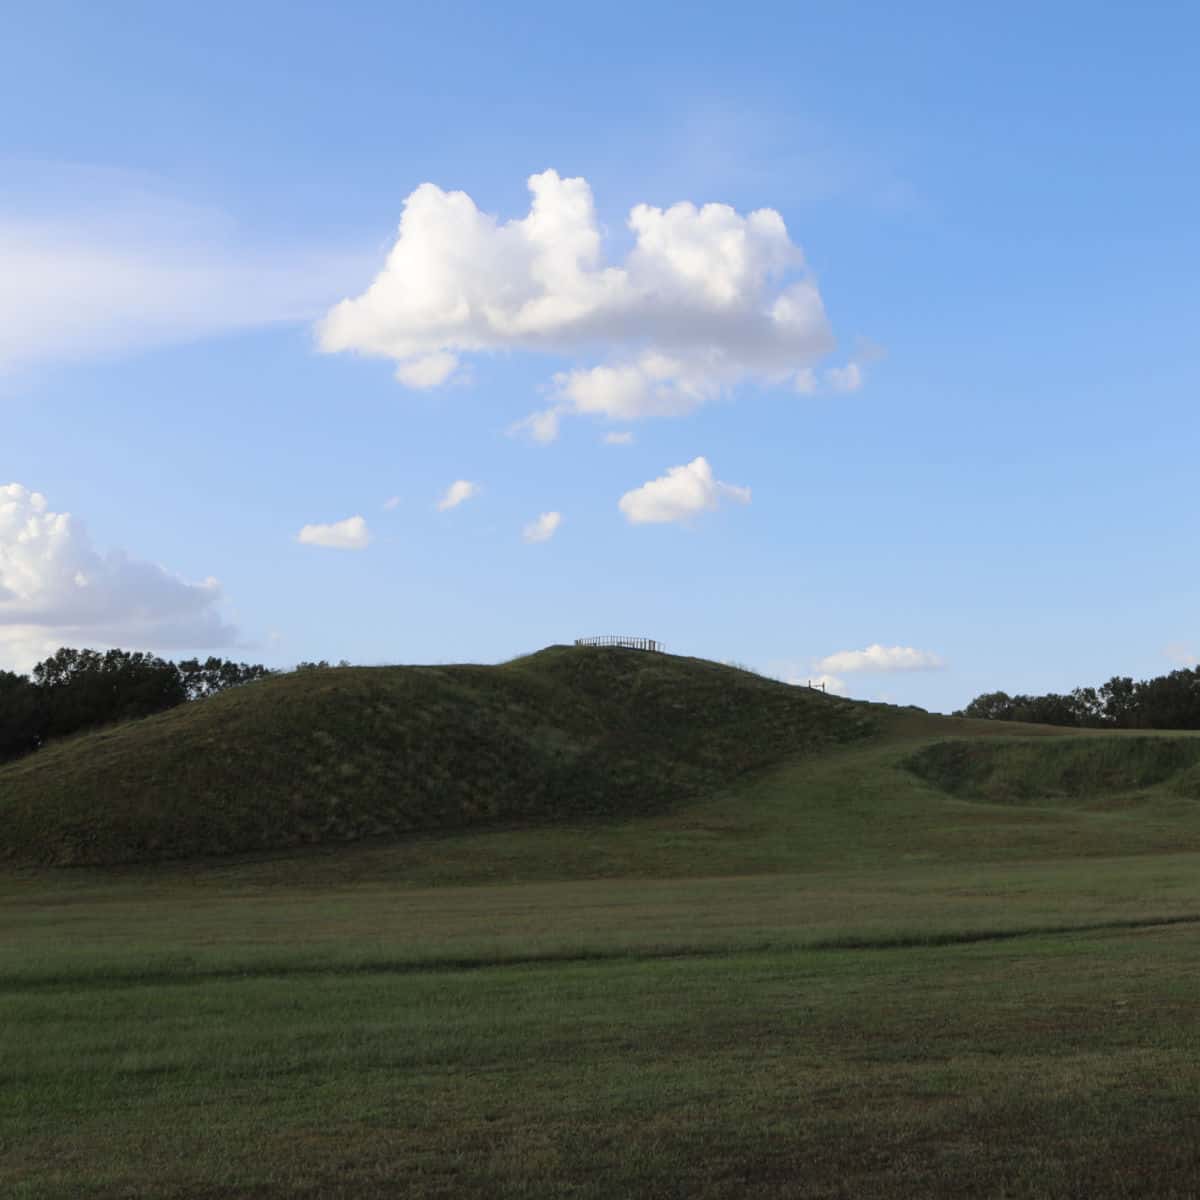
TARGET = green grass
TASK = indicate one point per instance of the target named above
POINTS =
(700, 1038)
(1094, 770)
(333, 756)
(908, 956)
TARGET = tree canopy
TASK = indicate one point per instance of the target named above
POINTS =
(74, 690)
(1169, 701)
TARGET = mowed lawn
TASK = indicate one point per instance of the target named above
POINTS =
(836, 982)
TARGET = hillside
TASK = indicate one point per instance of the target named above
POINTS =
(340, 755)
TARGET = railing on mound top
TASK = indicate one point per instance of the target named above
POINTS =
(630, 643)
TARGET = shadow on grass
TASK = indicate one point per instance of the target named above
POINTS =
(183, 969)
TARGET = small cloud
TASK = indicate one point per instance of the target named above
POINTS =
(542, 426)
(681, 493)
(618, 439)
(829, 683)
(806, 381)
(428, 371)
(543, 529)
(392, 502)
(1181, 654)
(824, 681)
(845, 379)
(456, 493)
(881, 658)
(350, 534)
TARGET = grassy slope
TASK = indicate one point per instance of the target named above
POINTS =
(948, 959)
(347, 754)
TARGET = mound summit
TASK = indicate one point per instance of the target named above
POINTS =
(345, 754)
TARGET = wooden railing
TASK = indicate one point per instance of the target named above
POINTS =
(630, 643)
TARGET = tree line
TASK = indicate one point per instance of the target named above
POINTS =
(75, 690)
(1169, 701)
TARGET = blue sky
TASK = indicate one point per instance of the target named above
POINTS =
(996, 208)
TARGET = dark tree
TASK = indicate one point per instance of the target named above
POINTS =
(22, 716)
(74, 690)
(86, 688)
(991, 706)
(1119, 698)
(1170, 701)
(201, 679)
(1164, 702)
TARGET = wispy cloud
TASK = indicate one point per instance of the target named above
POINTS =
(1181, 654)
(132, 267)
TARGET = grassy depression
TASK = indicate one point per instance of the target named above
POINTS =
(1087, 770)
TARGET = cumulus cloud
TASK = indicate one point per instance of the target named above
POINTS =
(681, 493)
(350, 534)
(543, 529)
(56, 589)
(881, 658)
(624, 438)
(137, 268)
(391, 503)
(456, 493)
(706, 297)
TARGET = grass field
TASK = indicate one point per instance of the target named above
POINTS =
(932, 961)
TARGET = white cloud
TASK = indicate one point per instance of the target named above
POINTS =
(350, 534)
(852, 376)
(542, 426)
(881, 658)
(681, 493)
(805, 381)
(391, 503)
(827, 683)
(800, 674)
(705, 298)
(1181, 654)
(56, 589)
(456, 493)
(543, 529)
(618, 439)
(428, 371)
(128, 267)
(845, 379)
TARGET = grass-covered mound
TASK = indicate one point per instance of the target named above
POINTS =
(1079, 770)
(361, 752)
